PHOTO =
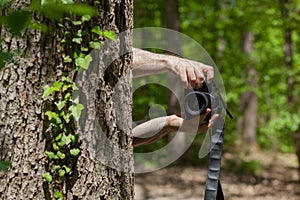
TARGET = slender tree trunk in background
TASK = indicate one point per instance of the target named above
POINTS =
(172, 21)
(248, 100)
(288, 61)
(22, 140)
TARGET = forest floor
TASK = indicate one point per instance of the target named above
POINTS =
(275, 177)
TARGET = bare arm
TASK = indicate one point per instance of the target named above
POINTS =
(153, 130)
(190, 72)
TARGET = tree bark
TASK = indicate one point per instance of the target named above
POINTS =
(22, 134)
(249, 99)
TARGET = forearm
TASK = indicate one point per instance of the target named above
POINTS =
(153, 130)
(147, 63)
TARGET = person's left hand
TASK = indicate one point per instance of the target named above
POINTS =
(190, 124)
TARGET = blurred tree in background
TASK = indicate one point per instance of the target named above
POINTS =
(255, 45)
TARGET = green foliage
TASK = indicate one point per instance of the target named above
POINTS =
(216, 23)
(4, 165)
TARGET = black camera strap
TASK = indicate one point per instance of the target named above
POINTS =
(213, 189)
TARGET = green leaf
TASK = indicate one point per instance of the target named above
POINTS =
(58, 137)
(4, 165)
(95, 45)
(4, 57)
(61, 172)
(83, 62)
(67, 169)
(56, 167)
(51, 115)
(17, 21)
(47, 91)
(66, 79)
(76, 111)
(55, 147)
(57, 194)
(50, 155)
(75, 152)
(67, 59)
(110, 35)
(67, 117)
(60, 155)
(77, 22)
(60, 105)
(77, 40)
(85, 18)
(47, 176)
(84, 49)
(97, 30)
(64, 141)
(57, 85)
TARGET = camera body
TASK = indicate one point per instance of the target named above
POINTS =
(198, 100)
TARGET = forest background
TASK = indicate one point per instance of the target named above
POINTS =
(255, 45)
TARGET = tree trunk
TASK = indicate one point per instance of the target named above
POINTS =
(249, 99)
(288, 61)
(172, 21)
(22, 120)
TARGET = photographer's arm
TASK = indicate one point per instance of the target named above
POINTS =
(190, 72)
(153, 130)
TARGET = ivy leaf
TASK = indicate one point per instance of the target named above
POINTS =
(57, 194)
(4, 57)
(47, 91)
(76, 22)
(50, 155)
(67, 169)
(83, 62)
(110, 35)
(66, 79)
(17, 21)
(75, 152)
(61, 172)
(95, 45)
(77, 40)
(85, 18)
(4, 165)
(56, 167)
(51, 115)
(60, 105)
(76, 111)
(64, 141)
(57, 85)
(47, 176)
(67, 59)
(97, 30)
(55, 147)
(60, 155)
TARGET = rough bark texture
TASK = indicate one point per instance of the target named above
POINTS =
(288, 61)
(249, 100)
(22, 114)
(104, 170)
(21, 119)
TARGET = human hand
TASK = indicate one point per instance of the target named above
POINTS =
(191, 72)
(190, 124)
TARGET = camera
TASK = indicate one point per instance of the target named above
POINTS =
(198, 100)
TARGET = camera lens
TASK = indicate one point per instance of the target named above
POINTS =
(195, 103)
